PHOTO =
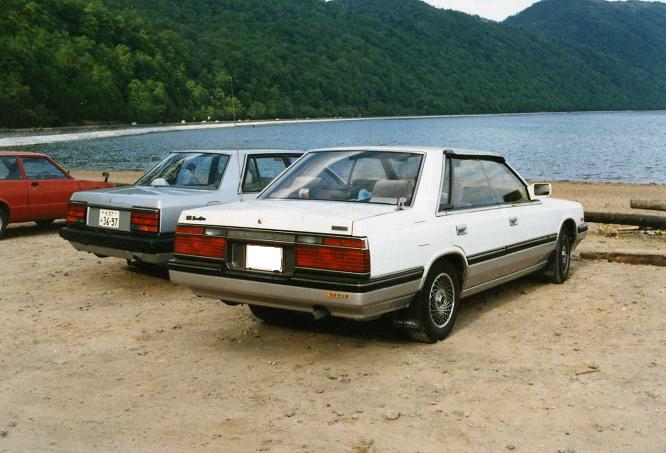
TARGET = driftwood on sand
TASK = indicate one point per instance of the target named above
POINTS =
(646, 203)
(626, 258)
(649, 221)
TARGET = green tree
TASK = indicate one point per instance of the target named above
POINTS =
(148, 100)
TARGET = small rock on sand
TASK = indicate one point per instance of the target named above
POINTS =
(367, 441)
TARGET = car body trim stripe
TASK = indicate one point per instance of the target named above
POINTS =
(513, 248)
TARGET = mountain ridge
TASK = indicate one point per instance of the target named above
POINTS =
(71, 61)
(634, 31)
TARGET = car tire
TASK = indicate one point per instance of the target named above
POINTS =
(560, 262)
(3, 221)
(44, 223)
(436, 306)
(271, 315)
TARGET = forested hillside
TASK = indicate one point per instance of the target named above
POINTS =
(74, 61)
(632, 31)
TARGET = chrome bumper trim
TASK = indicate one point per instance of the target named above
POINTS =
(358, 306)
(158, 258)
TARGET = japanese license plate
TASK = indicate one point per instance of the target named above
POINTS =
(109, 219)
(261, 258)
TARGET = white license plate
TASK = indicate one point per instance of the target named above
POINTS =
(109, 219)
(261, 258)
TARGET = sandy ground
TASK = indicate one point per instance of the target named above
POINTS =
(610, 197)
(97, 357)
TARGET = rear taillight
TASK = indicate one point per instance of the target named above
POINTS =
(190, 240)
(76, 213)
(335, 254)
(145, 222)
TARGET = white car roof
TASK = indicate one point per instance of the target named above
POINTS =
(419, 149)
(239, 151)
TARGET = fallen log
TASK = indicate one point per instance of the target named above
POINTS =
(651, 221)
(626, 258)
(645, 203)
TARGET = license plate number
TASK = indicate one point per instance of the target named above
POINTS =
(261, 258)
(109, 219)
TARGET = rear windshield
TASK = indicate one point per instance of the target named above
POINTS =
(379, 177)
(201, 171)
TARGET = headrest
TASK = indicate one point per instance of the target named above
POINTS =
(393, 188)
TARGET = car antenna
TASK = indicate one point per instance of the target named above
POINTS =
(238, 155)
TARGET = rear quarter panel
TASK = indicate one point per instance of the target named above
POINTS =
(398, 241)
(558, 211)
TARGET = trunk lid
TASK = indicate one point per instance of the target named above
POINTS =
(306, 216)
(139, 196)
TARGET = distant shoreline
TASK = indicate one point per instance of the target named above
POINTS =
(28, 137)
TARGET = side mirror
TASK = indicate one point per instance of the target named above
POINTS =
(540, 189)
(106, 176)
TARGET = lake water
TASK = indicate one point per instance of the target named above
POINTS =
(618, 147)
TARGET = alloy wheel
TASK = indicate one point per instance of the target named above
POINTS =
(442, 300)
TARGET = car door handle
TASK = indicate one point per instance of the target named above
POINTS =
(34, 184)
(513, 221)
(461, 230)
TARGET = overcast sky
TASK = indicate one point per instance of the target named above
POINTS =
(491, 9)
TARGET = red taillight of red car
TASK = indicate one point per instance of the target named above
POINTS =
(145, 222)
(190, 240)
(76, 213)
(335, 254)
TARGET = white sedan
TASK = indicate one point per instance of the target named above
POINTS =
(362, 232)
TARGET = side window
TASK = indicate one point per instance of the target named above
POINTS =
(508, 188)
(9, 169)
(261, 170)
(470, 186)
(37, 168)
(445, 193)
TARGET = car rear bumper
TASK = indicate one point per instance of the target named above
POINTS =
(359, 302)
(156, 250)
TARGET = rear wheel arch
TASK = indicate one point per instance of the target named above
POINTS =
(4, 218)
(569, 225)
(457, 260)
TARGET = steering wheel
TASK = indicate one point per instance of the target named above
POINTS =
(338, 180)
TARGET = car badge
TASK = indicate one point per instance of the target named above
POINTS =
(259, 221)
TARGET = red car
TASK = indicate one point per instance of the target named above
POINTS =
(33, 187)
